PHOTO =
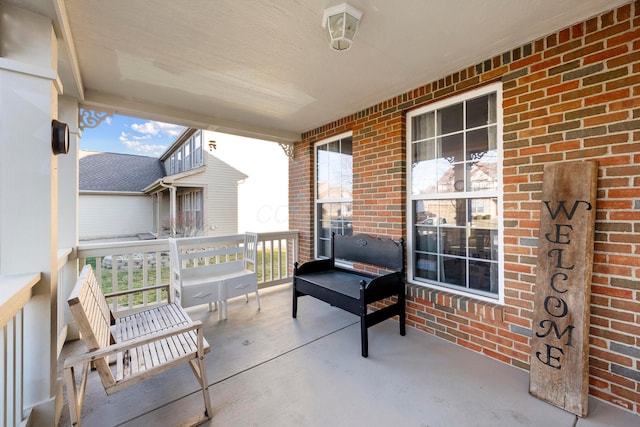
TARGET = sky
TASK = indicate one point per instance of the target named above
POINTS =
(262, 197)
(129, 135)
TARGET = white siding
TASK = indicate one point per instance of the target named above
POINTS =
(220, 192)
(106, 216)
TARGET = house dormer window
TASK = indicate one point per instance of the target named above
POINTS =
(187, 156)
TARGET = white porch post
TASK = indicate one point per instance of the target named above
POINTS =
(173, 209)
(68, 214)
(29, 190)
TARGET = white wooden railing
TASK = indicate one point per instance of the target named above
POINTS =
(133, 264)
(15, 293)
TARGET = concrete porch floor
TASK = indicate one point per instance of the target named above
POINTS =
(267, 369)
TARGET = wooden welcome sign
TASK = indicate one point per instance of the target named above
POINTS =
(560, 335)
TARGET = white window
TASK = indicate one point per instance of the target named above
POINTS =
(179, 163)
(454, 195)
(172, 164)
(187, 155)
(334, 185)
(197, 149)
(190, 218)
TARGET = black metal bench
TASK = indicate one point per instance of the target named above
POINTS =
(353, 290)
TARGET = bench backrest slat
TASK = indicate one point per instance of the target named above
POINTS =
(369, 250)
(91, 312)
(194, 251)
(251, 250)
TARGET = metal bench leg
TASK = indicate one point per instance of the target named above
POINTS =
(294, 306)
(364, 338)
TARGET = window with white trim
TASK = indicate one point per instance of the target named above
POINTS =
(190, 219)
(187, 156)
(454, 195)
(334, 186)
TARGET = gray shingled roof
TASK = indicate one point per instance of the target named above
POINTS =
(118, 172)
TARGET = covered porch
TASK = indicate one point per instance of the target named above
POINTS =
(267, 72)
(268, 369)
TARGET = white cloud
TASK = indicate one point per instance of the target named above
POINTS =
(155, 128)
(133, 143)
(169, 129)
(145, 128)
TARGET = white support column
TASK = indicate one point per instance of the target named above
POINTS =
(173, 209)
(68, 176)
(29, 183)
(157, 215)
(68, 214)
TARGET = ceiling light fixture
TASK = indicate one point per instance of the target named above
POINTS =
(341, 23)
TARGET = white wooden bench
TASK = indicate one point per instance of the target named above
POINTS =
(208, 270)
(143, 344)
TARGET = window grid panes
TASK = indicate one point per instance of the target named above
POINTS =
(334, 185)
(197, 149)
(454, 193)
(187, 156)
(190, 212)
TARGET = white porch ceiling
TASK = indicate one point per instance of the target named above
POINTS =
(263, 68)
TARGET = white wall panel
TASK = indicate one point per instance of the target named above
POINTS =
(105, 216)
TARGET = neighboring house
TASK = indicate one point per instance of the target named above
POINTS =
(199, 194)
(112, 202)
(186, 192)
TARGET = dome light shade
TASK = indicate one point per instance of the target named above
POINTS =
(341, 23)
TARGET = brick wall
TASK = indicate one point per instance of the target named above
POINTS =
(571, 95)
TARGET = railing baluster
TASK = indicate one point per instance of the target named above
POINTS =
(114, 280)
(130, 286)
(159, 275)
(145, 278)
(264, 262)
(270, 243)
(5, 372)
(99, 269)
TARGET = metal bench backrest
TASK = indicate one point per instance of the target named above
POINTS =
(366, 249)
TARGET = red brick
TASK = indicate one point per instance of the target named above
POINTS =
(604, 55)
(564, 87)
(565, 146)
(582, 52)
(607, 32)
(496, 355)
(607, 118)
(567, 106)
(607, 97)
(612, 292)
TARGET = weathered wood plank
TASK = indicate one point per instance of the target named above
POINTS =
(560, 337)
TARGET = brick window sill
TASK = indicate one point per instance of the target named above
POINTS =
(454, 303)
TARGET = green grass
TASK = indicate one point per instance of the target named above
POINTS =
(137, 298)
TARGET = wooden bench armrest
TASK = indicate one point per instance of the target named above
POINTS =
(134, 291)
(137, 342)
